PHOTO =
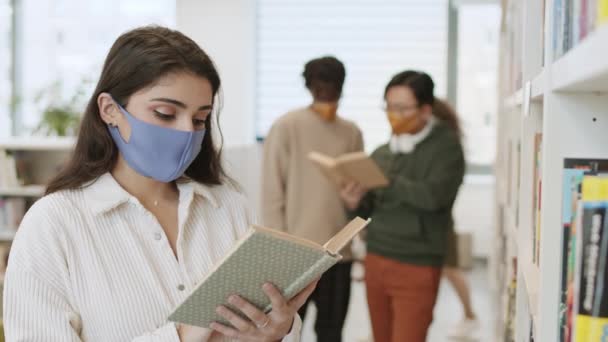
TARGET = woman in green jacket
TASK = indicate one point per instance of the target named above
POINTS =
(411, 218)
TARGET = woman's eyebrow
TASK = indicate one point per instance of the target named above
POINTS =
(180, 104)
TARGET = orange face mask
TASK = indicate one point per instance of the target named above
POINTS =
(405, 125)
(328, 111)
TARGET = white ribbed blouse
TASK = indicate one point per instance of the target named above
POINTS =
(94, 265)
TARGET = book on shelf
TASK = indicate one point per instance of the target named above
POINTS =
(8, 171)
(558, 28)
(351, 167)
(262, 255)
(572, 179)
(577, 18)
(584, 25)
(592, 14)
(12, 211)
(574, 20)
(602, 12)
(574, 256)
(589, 239)
(567, 27)
(573, 173)
(599, 313)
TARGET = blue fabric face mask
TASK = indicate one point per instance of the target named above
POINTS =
(157, 152)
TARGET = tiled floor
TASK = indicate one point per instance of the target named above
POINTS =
(447, 312)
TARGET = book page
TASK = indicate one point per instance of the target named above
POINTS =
(340, 240)
(351, 156)
(328, 166)
(284, 236)
(322, 159)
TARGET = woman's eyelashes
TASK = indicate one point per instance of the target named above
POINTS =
(164, 116)
(197, 122)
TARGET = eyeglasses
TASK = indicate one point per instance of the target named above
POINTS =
(400, 109)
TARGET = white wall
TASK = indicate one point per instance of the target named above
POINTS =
(226, 31)
(474, 212)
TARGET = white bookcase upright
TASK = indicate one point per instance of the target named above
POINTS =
(43, 157)
(566, 100)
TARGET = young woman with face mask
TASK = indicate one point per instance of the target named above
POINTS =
(140, 213)
(411, 218)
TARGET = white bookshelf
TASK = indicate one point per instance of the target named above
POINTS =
(585, 68)
(538, 86)
(567, 101)
(44, 156)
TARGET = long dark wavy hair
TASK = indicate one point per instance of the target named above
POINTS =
(137, 60)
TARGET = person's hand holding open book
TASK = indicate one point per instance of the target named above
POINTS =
(351, 194)
(272, 326)
(231, 300)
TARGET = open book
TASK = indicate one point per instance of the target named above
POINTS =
(351, 167)
(262, 255)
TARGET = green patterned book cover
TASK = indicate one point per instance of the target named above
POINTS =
(262, 255)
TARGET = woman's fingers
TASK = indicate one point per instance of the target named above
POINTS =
(258, 317)
(278, 301)
(237, 321)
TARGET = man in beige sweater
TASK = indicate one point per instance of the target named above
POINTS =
(297, 198)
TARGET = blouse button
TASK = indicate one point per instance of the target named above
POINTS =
(157, 236)
(181, 287)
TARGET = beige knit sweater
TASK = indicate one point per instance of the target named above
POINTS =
(296, 196)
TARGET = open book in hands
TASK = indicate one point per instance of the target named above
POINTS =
(351, 167)
(262, 255)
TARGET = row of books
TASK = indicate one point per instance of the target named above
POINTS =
(8, 171)
(12, 211)
(574, 20)
(583, 313)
